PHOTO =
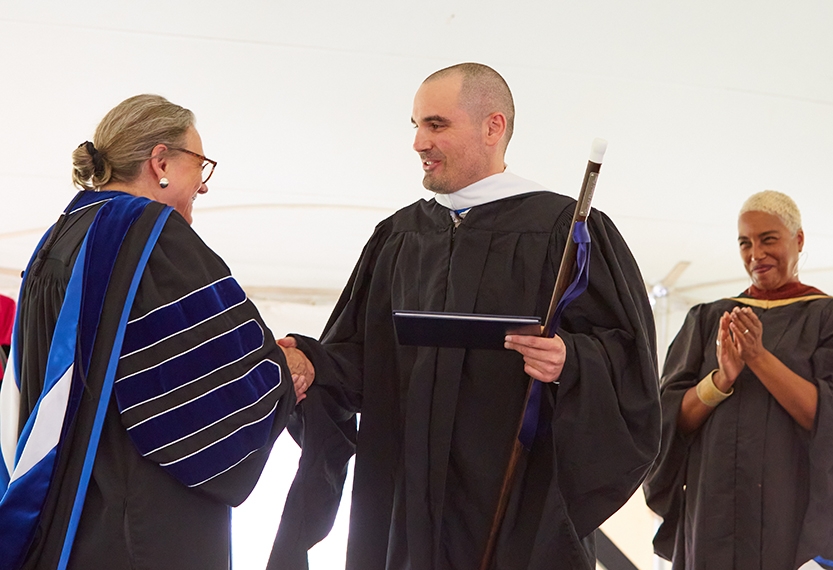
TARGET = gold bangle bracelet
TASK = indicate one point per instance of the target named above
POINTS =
(708, 393)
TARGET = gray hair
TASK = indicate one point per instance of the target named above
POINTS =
(483, 92)
(125, 138)
(777, 204)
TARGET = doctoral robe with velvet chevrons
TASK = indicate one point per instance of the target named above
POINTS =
(200, 395)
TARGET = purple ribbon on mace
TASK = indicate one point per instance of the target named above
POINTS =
(581, 237)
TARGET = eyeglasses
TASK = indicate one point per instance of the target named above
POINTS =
(208, 165)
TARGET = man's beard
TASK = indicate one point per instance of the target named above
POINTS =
(460, 174)
(437, 186)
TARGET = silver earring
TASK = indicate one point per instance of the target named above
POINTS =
(163, 182)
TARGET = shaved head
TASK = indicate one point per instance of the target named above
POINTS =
(482, 93)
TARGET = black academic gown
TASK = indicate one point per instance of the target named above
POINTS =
(437, 425)
(750, 489)
(136, 515)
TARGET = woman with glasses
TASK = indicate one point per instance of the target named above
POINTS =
(145, 391)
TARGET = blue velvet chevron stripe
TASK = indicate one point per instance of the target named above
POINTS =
(40, 442)
(204, 410)
(191, 469)
(195, 392)
(199, 362)
(581, 236)
(227, 451)
(190, 311)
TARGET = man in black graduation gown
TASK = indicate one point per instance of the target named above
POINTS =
(438, 424)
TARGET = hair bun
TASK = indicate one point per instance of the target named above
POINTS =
(98, 160)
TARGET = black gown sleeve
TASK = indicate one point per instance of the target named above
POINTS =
(325, 422)
(180, 269)
(664, 488)
(606, 419)
(817, 531)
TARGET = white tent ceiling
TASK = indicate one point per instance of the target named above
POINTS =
(306, 106)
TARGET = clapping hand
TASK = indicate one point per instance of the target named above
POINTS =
(748, 332)
(729, 359)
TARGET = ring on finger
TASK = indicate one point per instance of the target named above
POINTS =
(746, 331)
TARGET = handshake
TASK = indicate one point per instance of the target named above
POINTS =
(303, 373)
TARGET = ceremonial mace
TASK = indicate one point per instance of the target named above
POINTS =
(570, 276)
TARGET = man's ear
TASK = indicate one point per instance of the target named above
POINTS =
(494, 128)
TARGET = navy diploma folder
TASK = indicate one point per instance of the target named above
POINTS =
(460, 330)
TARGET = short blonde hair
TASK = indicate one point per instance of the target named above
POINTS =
(125, 138)
(777, 204)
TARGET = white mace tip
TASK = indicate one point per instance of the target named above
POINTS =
(597, 150)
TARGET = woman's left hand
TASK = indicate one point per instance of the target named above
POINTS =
(748, 332)
(797, 395)
(301, 369)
